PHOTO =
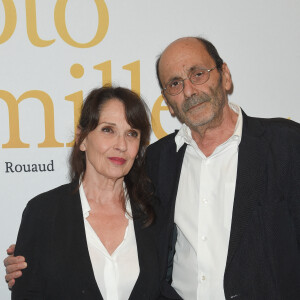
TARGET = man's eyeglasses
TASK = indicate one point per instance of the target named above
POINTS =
(196, 76)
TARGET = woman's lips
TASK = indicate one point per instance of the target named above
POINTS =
(117, 160)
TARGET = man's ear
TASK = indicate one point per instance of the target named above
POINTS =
(169, 106)
(77, 135)
(227, 81)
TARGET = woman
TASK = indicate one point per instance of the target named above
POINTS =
(94, 237)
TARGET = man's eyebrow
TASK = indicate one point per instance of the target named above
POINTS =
(192, 68)
(174, 78)
(187, 71)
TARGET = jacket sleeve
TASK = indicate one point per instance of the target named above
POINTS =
(29, 244)
(294, 186)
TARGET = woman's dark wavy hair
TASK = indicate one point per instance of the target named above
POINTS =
(137, 116)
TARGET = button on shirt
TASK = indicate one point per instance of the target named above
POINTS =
(115, 274)
(203, 214)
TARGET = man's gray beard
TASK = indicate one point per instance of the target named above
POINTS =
(193, 101)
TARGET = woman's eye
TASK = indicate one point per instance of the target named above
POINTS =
(133, 133)
(107, 129)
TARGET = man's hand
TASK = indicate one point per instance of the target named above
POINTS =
(13, 265)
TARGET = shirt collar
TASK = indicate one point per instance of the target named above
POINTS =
(184, 135)
(84, 202)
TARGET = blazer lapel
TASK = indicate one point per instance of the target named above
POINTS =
(72, 245)
(250, 181)
(147, 282)
(170, 175)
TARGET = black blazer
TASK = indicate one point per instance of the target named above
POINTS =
(263, 261)
(52, 238)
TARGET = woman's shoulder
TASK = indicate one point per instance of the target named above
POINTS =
(49, 200)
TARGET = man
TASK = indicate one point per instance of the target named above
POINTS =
(229, 187)
(230, 183)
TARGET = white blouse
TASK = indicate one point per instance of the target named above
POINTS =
(115, 274)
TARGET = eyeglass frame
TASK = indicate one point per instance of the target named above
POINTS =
(188, 77)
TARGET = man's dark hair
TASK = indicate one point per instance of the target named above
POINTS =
(210, 48)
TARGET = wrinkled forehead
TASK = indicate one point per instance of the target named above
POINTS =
(182, 56)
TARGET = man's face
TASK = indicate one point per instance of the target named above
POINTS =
(196, 105)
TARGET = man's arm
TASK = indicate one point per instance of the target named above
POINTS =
(14, 266)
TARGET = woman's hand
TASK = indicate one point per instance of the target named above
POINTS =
(13, 266)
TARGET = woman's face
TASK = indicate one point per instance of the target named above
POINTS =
(112, 146)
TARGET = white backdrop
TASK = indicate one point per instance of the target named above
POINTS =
(50, 56)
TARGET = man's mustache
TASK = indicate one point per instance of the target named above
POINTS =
(193, 101)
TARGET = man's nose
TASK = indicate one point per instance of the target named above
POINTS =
(189, 89)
